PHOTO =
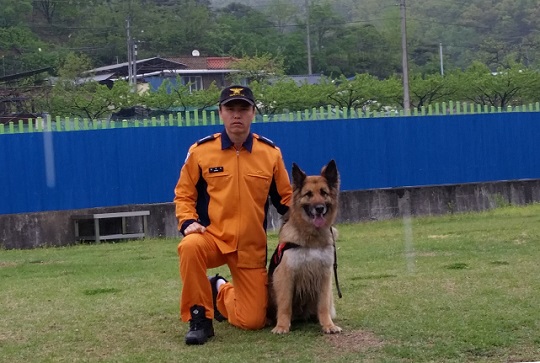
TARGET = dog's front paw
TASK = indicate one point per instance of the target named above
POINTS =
(331, 329)
(280, 329)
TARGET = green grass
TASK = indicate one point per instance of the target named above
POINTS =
(456, 288)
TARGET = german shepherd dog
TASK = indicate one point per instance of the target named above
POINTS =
(300, 272)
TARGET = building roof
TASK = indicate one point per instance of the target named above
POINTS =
(143, 66)
(205, 62)
(158, 65)
(300, 79)
(21, 75)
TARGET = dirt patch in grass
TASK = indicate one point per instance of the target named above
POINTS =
(438, 236)
(7, 264)
(354, 341)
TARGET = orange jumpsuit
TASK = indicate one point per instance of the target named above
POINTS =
(227, 191)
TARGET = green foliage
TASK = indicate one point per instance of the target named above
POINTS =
(75, 94)
(173, 94)
(286, 96)
(347, 37)
(507, 87)
(243, 31)
(429, 89)
(73, 66)
(90, 100)
(21, 50)
(360, 92)
(203, 99)
(257, 68)
(14, 12)
(162, 98)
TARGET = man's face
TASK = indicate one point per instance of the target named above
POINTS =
(237, 117)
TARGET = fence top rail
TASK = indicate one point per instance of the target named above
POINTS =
(203, 118)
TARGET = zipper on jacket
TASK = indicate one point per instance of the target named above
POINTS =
(238, 176)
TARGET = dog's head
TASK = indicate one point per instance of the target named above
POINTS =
(316, 196)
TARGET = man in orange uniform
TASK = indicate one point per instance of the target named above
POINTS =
(221, 204)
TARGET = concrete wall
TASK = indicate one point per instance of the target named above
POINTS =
(23, 231)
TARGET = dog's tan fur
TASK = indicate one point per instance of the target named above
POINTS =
(301, 285)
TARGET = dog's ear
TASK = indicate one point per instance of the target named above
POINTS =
(298, 176)
(330, 172)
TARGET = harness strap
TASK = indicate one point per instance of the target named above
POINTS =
(278, 255)
(282, 247)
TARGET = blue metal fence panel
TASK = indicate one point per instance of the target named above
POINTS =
(83, 169)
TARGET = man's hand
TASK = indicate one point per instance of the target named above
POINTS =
(194, 228)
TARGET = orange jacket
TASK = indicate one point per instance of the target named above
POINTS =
(227, 191)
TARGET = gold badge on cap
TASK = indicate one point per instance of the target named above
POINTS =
(236, 92)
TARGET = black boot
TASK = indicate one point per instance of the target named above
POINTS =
(200, 327)
(213, 282)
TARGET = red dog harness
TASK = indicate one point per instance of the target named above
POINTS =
(278, 255)
(284, 246)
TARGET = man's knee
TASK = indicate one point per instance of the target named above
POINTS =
(190, 244)
(253, 321)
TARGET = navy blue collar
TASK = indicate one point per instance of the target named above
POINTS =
(227, 143)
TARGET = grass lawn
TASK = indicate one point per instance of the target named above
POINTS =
(456, 288)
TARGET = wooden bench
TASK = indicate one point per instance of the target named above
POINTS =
(97, 237)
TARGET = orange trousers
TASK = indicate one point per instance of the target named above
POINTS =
(242, 301)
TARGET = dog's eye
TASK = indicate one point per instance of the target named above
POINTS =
(308, 194)
(324, 193)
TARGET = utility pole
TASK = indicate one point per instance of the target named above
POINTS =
(132, 57)
(405, 64)
(441, 58)
(134, 63)
(308, 39)
(132, 53)
(129, 51)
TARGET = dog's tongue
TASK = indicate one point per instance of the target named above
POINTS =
(318, 221)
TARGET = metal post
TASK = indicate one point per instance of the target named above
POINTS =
(134, 65)
(405, 65)
(129, 51)
(441, 57)
(308, 39)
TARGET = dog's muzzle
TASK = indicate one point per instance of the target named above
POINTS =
(317, 213)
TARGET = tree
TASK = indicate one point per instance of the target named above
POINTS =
(14, 12)
(358, 92)
(91, 100)
(506, 87)
(76, 95)
(176, 30)
(47, 8)
(284, 95)
(324, 24)
(429, 89)
(257, 68)
(206, 98)
(243, 31)
(282, 14)
(21, 50)
(360, 49)
(172, 93)
(390, 92)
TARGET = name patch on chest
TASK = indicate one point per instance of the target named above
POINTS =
(215, 169)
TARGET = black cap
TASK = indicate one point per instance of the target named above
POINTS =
(236, 93)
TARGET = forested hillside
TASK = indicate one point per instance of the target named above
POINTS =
(346, 36)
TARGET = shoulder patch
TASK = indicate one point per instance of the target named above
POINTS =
(206, 139)
(266, 140)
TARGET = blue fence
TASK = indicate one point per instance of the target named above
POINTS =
(44, 171)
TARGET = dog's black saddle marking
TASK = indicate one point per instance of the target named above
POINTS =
(278, 255)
